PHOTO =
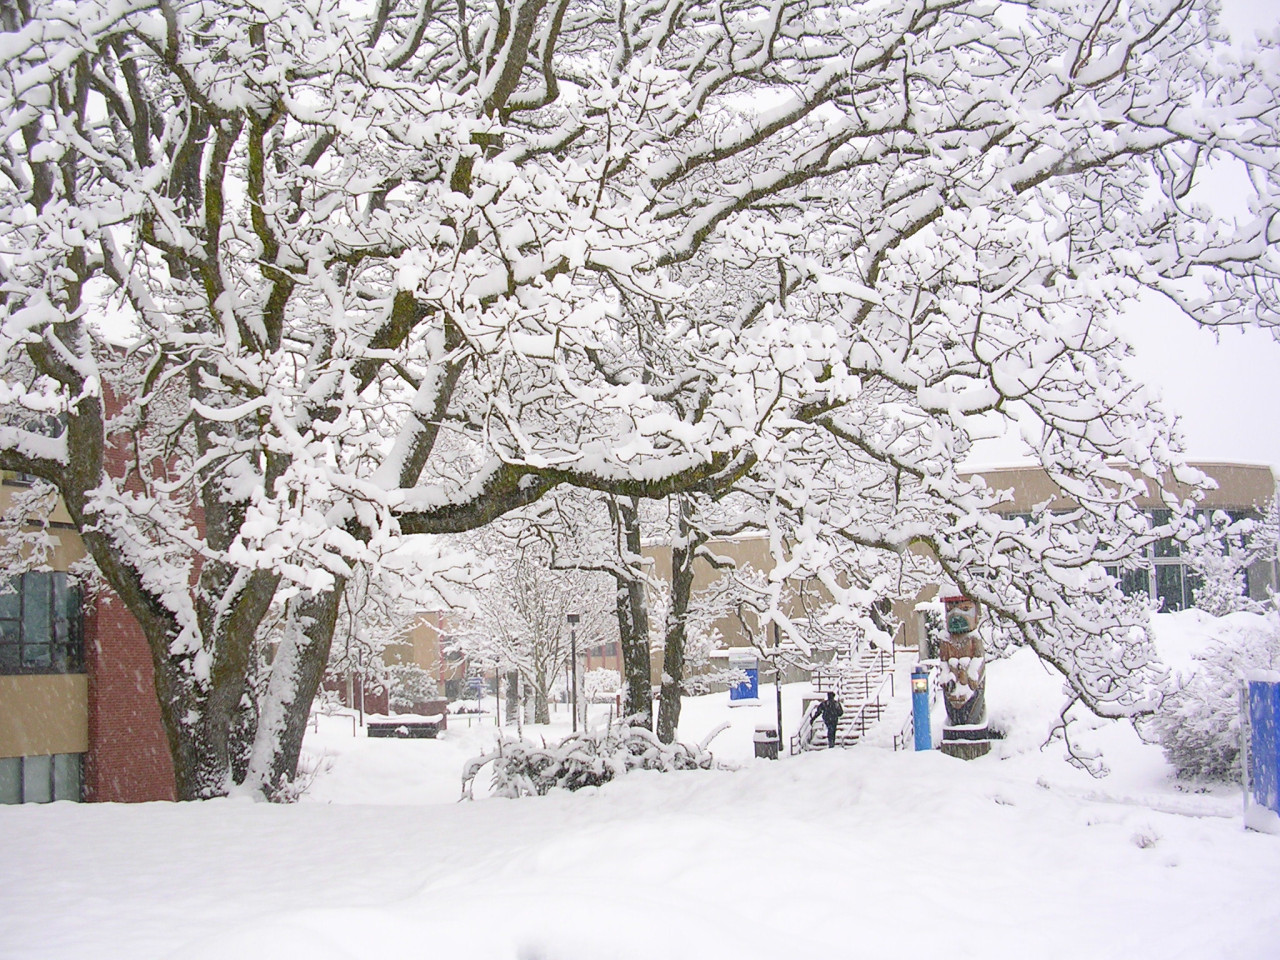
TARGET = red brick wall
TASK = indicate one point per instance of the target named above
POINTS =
(373, 699)
(128, 759)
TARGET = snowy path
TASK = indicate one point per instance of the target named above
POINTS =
(837, 854)
(840, 854)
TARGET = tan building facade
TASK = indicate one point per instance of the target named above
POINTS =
(78, 712)
(1242, 490)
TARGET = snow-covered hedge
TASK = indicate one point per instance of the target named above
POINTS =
(1199, 725)
(411, 686)
(588, 759)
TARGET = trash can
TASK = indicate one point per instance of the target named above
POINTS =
(766, 741)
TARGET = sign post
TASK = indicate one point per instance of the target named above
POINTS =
(1260, 759)
(748, 691)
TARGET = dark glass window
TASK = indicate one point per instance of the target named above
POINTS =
(40, 625)
(1171, 589)
(1168, 547)
(1135, 583)
(1193, 583)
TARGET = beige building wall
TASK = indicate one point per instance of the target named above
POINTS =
(44, 714)
(68, 546)
(1241, 486)
(751, 551)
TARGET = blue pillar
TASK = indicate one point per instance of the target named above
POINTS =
(920, 708)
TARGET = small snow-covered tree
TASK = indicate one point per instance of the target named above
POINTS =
(1222, 550)
(1198, 725)
(410, 685)
(519, 620)
(378, 611)
(1220, 555)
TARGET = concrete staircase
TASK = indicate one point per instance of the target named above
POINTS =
(864, 684)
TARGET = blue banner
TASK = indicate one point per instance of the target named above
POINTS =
(1264, 745)
(750, 688)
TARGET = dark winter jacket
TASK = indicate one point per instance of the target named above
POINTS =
(830, 712)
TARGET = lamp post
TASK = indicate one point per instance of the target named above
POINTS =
(777, 675)
(573, 668)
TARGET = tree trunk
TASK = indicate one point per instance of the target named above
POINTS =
(683, 552)
(511, 681)
(295, 676)
(633, 616)
(541, 698)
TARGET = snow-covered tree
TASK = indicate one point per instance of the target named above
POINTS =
(379, 609)
(1221, 551)
(396, 269)
(519, 619)
(586, 531)
(410, 685)
(1198, 725)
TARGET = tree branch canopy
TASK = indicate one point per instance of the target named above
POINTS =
(332, 274)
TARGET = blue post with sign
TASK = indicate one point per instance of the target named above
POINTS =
(920, 708)
(748, 691)
(1262, 751)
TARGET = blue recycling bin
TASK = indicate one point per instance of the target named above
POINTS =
(920, 708)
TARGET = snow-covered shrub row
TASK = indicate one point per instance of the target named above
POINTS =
(586, 759)
(1198, 726)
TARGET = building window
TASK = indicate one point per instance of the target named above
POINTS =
(40, 779)
(1168, 580)
(40, 630)
(1171, 587)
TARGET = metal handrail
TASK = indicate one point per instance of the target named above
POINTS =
(868, 704)
(858, 718)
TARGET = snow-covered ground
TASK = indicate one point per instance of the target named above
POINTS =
(843, 854)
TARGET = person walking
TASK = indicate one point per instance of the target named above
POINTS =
(830, 711)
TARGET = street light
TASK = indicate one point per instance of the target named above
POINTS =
(573, 668)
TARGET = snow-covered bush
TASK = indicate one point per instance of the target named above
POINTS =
(587, 759)
(1198, 726)
(411, 685)
(601, 685)
(1220, 554)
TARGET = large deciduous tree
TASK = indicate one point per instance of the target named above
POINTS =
(393, 269)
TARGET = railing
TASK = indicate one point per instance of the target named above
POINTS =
(876, 707)
(866, 687)
(853, 682)
(801, 739)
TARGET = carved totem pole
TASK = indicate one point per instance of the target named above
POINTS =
(964, 677)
